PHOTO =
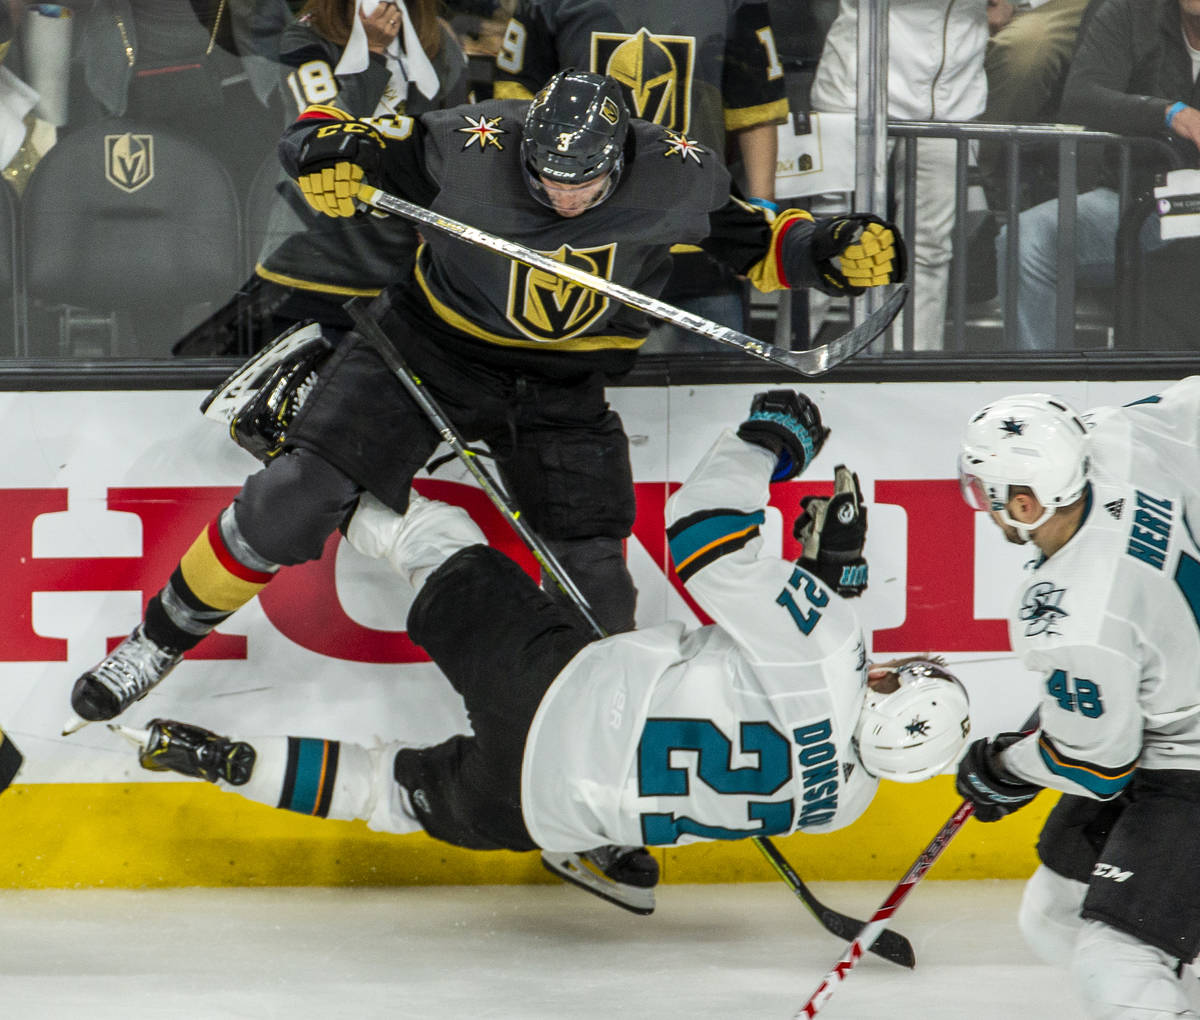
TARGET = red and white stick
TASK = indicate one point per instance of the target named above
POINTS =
(879, 920)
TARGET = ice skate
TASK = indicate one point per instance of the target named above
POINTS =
(123, 676)
(170, 746)
(623, 875)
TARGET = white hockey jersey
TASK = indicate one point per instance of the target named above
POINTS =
(1112, 619)
(666, 736)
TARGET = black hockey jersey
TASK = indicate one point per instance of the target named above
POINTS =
(306, 250)
(700, 67)
(465, 164)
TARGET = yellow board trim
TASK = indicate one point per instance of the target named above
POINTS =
(169, 834)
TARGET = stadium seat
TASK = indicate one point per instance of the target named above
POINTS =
(132, 235)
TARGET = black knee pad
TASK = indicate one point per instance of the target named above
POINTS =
(286, 511)
(573, 482)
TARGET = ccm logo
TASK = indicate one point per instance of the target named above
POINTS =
(1108, 871)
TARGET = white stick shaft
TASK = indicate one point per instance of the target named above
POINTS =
(816, 361)
(874, 927)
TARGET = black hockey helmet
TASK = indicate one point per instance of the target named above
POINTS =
(575, 132)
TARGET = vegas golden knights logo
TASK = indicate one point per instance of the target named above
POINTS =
(129, 160)
(546, 307)
(655, 72)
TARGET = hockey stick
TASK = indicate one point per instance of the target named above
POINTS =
(898, 895)
(876, 925)
(895, 947)
(816, 361)
(371, 331)
(890, 945)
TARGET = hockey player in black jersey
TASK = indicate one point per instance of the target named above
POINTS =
(782, 675)
(515, 357)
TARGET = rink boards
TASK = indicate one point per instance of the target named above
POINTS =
(104, 492)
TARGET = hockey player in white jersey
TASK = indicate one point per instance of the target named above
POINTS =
(767, 721)
(1109, 615)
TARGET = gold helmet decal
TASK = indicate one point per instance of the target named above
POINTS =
(654, 70)
(609, 111)
(129, 160)
(546, 307)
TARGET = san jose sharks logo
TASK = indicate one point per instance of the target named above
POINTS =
(1012, 427)
(482, 131)
(1041, 608)
(917, 727)
(546, 307)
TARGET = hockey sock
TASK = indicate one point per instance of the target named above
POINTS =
(218, 575)
(328, 779)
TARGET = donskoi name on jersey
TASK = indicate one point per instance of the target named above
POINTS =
(817, 758)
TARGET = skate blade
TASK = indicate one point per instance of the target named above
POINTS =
(574, 869)
(138, 738)
(74, 725)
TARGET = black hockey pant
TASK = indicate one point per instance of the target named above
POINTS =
(501, 641)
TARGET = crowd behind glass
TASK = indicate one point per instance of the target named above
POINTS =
(137, 140)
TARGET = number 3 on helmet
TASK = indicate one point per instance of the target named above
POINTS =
(574, 133)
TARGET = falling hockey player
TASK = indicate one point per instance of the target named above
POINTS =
(767, 721)
(1109, 615)
(516, 357)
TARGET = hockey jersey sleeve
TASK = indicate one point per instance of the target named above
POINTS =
(752, 80)
(308, 63)
(404, 170)
(777, 612)
(528, 56)
(750, 241)
(1086, 744)
(1166, 423)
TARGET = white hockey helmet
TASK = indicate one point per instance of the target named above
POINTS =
(918, 729)
(1030, 439)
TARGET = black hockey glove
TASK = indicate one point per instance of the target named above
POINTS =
(334, 160)
(833, 532)
(844, 255)
(788, 424)
(992, 789)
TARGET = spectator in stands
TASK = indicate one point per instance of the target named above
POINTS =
(704, 68)
(935, 72)
(1134, 73)
(1026, 62)
(199, 67)
(17, 99)
(311, 264)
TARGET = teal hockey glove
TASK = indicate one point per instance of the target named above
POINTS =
(788, 424)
